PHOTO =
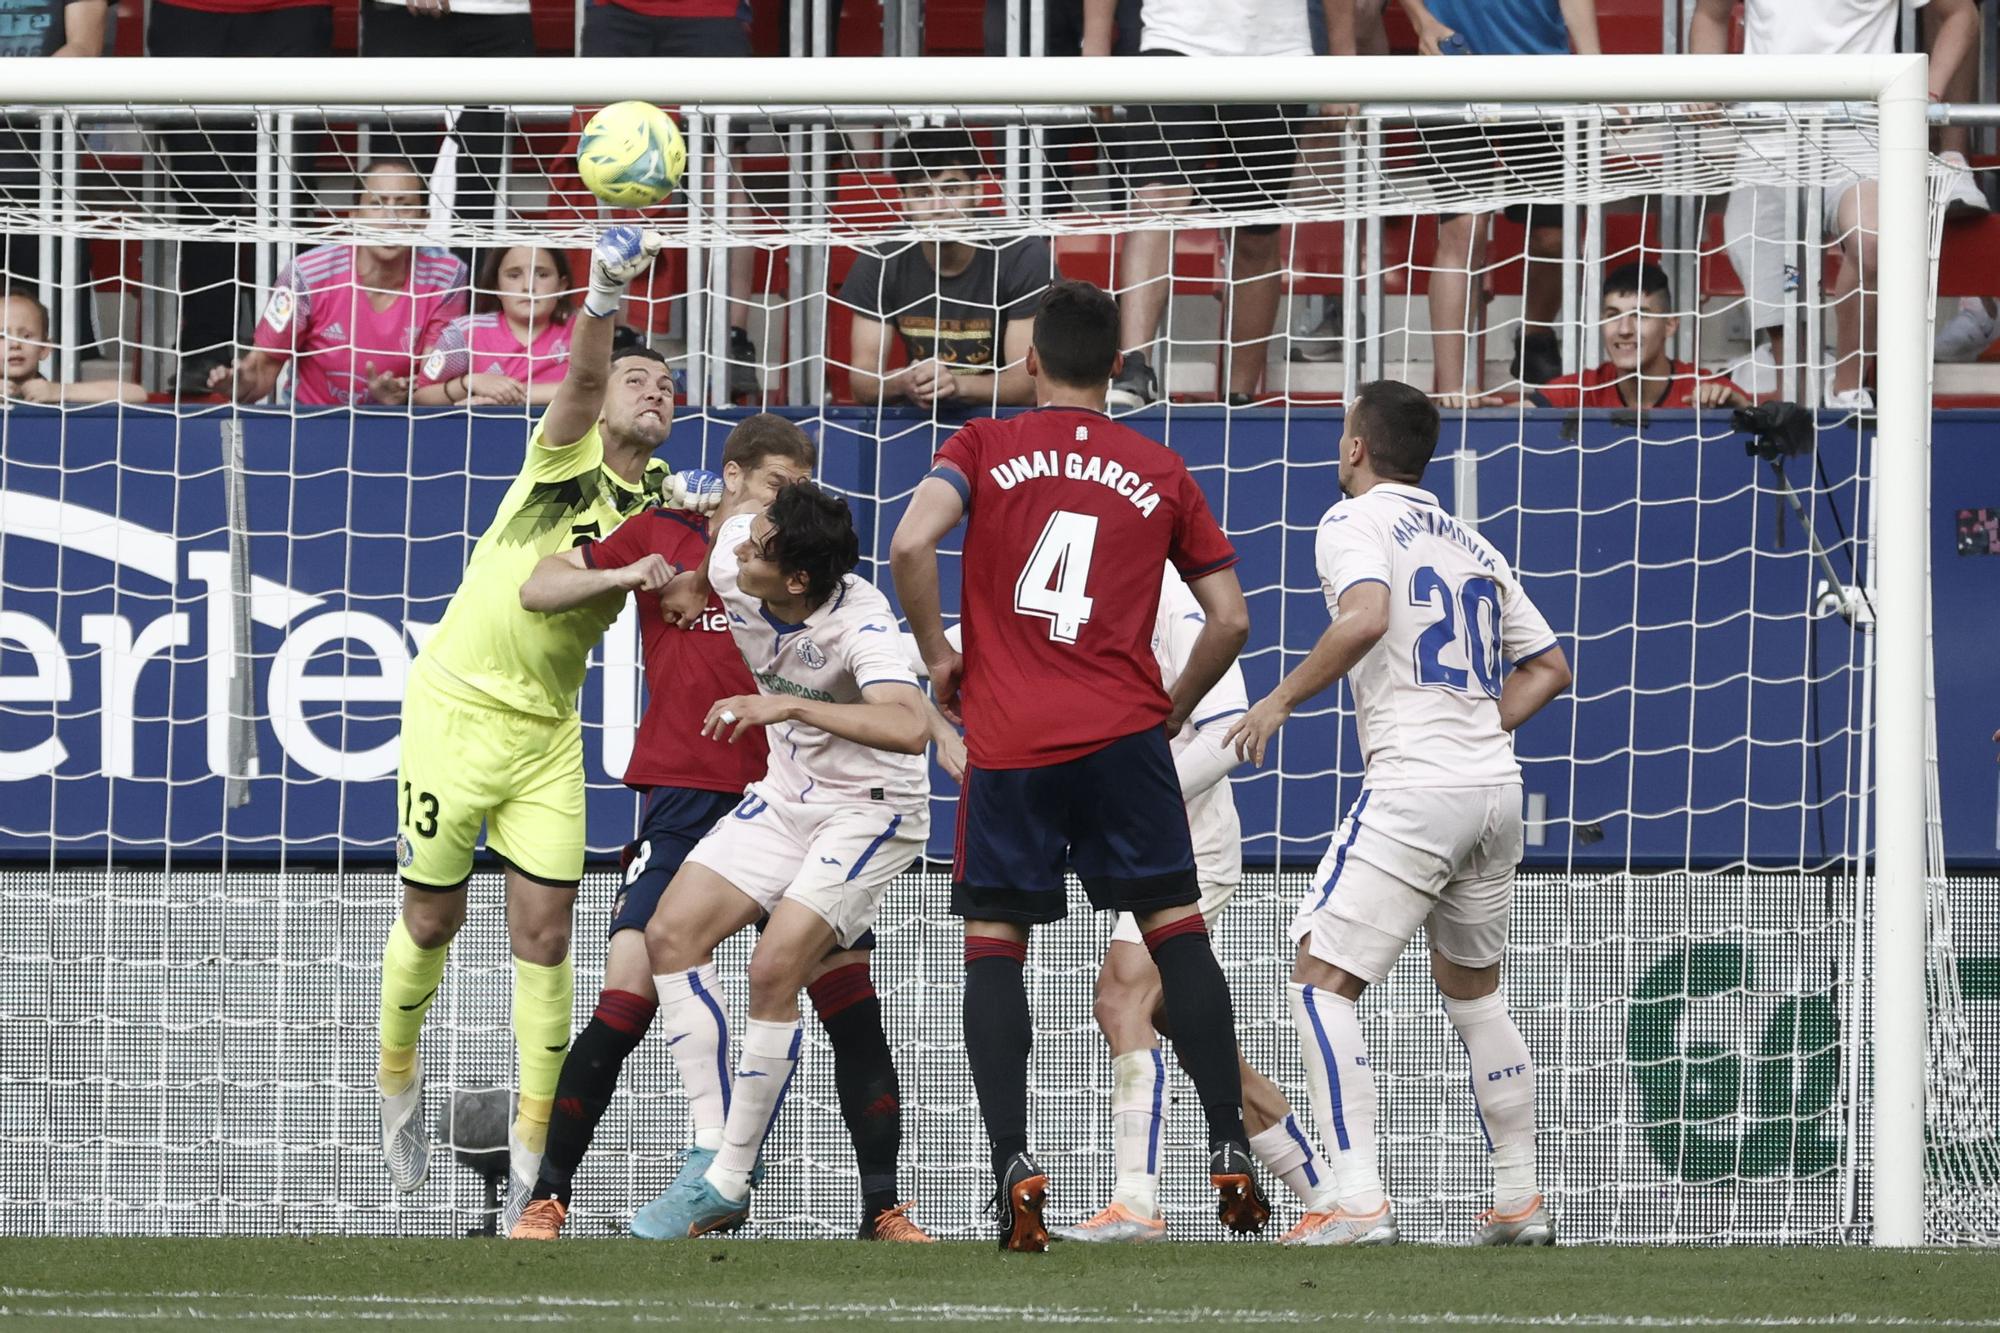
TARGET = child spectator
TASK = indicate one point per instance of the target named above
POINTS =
(24, 333)
(356, 316)
(1637, 372)
(514, 346)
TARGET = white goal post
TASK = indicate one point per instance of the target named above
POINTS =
(1894, 85)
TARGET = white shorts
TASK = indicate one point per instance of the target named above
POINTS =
(1214, 897)
(1754, 231)
(1439, 857)
(837, 860)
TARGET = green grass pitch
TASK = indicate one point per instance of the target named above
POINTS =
(449, 1285)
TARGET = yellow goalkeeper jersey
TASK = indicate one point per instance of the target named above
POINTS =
(530, 660)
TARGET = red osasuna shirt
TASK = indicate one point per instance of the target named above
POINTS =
(1069, 518)
(687, 668)
(1598, 387)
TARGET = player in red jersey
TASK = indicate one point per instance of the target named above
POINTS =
(691, 782)
(1069, 518)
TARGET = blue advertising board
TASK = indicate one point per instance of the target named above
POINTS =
(1714, 719)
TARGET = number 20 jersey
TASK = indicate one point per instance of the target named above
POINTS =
(1426, 696)
(1069, 518)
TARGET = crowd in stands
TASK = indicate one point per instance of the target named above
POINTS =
(941, 324)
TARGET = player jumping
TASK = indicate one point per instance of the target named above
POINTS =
(842, 811)
(490, 732)
(691, 781)
(1070, 517)
(1426, 617)
(1128, 985)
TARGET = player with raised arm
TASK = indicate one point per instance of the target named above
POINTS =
(1069, 518)
(490, 733)
(691, 781)
(1128, 985)
(1427, 620)
(843, 809)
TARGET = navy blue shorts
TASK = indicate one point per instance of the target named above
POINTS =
(676, 819)
(1115, 816)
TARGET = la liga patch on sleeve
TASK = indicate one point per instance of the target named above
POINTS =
(278, 314)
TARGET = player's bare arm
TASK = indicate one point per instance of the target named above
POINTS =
(889, 717)
(935, 510)
(1226, 629)
(1363, 619)
(620, 255)
(1531, 685)
(562, 581)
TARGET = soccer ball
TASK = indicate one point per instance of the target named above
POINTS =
(631, 155)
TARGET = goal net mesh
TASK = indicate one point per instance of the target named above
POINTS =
(207, 612)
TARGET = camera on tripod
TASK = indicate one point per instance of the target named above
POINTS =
(1777, 430)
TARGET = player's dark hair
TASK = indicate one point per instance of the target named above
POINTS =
(638, 349)
(486, 287)
(1399, 424)
(1076, 333)
(926, 151)
(1640, 280)
(812, 533)
(768, 435)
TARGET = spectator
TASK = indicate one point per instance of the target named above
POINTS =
(965, 312)
(212, 165)
(38, 28)
(1755, 220)
(1971, 328)
(24, 333)
(1228, 156)
(1498, 27)
(678, 29)
(355, 316)
(514, 346)
(1639, 326)
(468, 182)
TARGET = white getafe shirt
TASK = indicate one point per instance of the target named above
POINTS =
(849, 643)
(1226, 27)
(1200, 758)
(1820, 27)
(1426, 696)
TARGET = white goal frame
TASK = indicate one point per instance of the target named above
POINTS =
(1897, 85)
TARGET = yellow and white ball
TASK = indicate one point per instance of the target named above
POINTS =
(631, 155)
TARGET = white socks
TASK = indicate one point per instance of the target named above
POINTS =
(1138, 1102)
(698, 1034)
(770, 1054)
(1503, 1089)
(1289, 1155)
(1343, 1093)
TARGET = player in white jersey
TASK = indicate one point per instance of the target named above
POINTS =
(843, 809)
(1129, 1010)
(1427, 621)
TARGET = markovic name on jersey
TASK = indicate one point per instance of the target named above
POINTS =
(1439, 524)
(1077, 467)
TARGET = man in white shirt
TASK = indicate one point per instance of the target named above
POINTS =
(1231, 157)
(1128, 984)
(1755, 220)
(843, 809)
(1426, 617)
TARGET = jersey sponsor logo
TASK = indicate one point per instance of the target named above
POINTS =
(334, 330)
(278, 313)
(777, 684)
(1011, 472)
(810, 654)
(713, 621)
(434, 366)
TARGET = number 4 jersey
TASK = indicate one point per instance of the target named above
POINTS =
(1069, 518)
(1426, 696)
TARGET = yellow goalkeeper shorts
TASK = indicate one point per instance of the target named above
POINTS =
(467, 761)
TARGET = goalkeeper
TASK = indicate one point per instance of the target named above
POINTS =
(490, 730)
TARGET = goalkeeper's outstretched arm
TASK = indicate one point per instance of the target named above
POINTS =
(620, 255)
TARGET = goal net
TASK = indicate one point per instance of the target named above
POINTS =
(208, 608)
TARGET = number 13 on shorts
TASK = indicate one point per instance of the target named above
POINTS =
(1051, 585)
